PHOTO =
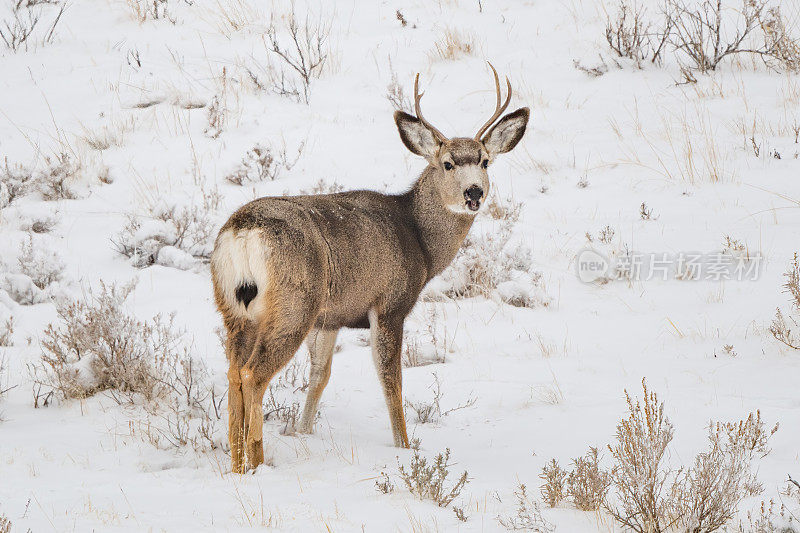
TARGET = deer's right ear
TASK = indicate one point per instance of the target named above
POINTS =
(415, 135)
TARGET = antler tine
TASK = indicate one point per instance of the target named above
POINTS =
(417, 97)
(498, 108)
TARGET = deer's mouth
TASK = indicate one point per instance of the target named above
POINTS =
(473, 205)
(472, 198)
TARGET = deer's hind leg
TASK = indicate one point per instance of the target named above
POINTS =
(279, 336)
(238, 344)
(321, 343)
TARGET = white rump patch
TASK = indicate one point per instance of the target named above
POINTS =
(240, 257)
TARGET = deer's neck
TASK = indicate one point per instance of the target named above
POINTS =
(441, 231)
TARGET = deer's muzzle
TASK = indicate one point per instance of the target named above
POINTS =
(473, 196)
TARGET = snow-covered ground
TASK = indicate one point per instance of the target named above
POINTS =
(130, 102)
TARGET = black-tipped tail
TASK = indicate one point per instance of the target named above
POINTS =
(246, 292)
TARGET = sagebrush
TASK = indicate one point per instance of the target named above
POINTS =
(783, 326)
(652, 496)
(492, 265)
(554, 488)
(173, 234)
(645, 493)
(429, 481)
(99, 346)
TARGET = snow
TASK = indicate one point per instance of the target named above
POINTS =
(548, 376)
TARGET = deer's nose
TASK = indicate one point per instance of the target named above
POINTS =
(474, 192)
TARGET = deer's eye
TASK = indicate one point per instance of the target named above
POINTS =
(448, 165)
(485, 163)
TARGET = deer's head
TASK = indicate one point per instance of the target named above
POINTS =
(462, 162)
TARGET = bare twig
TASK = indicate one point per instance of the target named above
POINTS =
(306, 55)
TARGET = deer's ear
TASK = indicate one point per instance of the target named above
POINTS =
(508, 131)
(415, 135)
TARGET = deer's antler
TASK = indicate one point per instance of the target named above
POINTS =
(498, 108)
(417, 97)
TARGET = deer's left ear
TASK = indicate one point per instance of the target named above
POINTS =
(417, 138)
(508, 131)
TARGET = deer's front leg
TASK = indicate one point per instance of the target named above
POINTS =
(387, 343)
(321, 344)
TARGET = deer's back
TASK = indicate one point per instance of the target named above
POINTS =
(351, 251)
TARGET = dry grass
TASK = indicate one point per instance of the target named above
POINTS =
(4, 388)
(396, 94)
(508, 209)
(646, 213)
(6, 331)
(40, 223)
(234, 16)
(736, 248)
(454, 44)
(322, 187)
(108, 135)
(429, 347)
(217, 109)
(686, 148)
(143, 10)
(527, 517)
(769, 518)
(35, 276)
(782, 328)
(54, 183)
(550, 394)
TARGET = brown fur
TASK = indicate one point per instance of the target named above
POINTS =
(356, 259)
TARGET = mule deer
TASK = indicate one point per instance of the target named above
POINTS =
(291, 268)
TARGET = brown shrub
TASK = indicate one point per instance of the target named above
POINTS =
(587, 484)
(429, 481)
(555, 483)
